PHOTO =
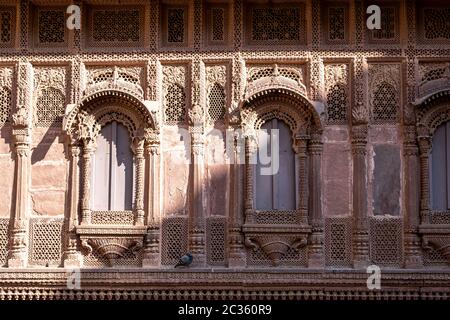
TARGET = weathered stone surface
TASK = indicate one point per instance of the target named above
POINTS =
(336, 173)
(49, 176)
(217, 189)
(386, 180)
(48, 202)
(6, 185)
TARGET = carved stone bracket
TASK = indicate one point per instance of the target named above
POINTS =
(437, 237)
(276, 240)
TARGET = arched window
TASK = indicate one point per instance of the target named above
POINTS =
(112, 174)
(440, 168)
(275, 181)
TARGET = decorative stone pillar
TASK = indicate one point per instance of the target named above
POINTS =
(21, 134)
(151, 242)
(316, 253)
(250, 162)
(88, 129)
(413, 258)
(300, 149)
(237, 256)
(88, 150)
(72, 258)
(138, 149)
(197, 224)
(360, 221)
(424, 149)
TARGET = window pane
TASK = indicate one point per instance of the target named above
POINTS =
(438, 170)
(101, 170)
(286, 173)
(264, 182)
(123, 165)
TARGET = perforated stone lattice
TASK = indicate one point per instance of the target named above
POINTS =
(5, 26)
(112, 217)
(336, 23)
(50, 107)
(45, 241)
(216, 103)
(51, 26)
(175, 106)
(436, 23)
(174, 239)
(216, 240)
(338, 241)
(386, 244)
(388, 20)
(176, 25)
(385, 104)
(337, 105)
(4, 239)
(271, 24)
(116, 26)
(217, 24)
(5, 105)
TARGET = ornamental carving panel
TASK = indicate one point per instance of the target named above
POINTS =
(174, 94)
(384, 92)
(434, 76)
(337, 93)
(216, 99)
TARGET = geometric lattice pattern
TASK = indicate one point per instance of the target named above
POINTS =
(5, 105)
(337, 104)
(50, 107)
(6, 21)
(52, 26)
(45, 242)
(276, 24)
(176, 25)
(216, 102)
(174, 239)
(216, 240)
(112, 217)
(217, 24)
(386, 244)
(436, 23)
(388, 21)
(175, 106)
(4, 240)
(385, 104)
(338, 241)
(116, 25)
(336, 23)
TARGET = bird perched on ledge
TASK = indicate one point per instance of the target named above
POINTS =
(185, 260)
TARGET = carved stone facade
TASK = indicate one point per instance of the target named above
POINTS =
(190, 84)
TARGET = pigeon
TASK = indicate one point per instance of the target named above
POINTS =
(185, 260)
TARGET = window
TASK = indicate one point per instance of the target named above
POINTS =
(50, 107)
(439, 168)
(115, 26)
(335, 22)
(112, 170)
(385, 104)
(275, 184)
(174, 27)
(217, 24)
(51, 27)
(281, 24)
(389, 31)
(7, 20)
